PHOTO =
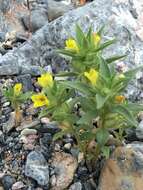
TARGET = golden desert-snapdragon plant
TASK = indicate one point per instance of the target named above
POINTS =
(16, 97)
(91, 106)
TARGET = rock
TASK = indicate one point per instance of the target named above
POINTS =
(37, 168)
(33, 124)
(64, 166)
(50, 127)
(10, 123)
(7, 182)
(26, 82)
(37, 19)
(18, 185)
(2, 36)
(46, 139)
(27, 131)
(29, 138)
(139, 131)
(45, 120)
(67, 146)
(57, 9)
(76, 186)
(124, 170)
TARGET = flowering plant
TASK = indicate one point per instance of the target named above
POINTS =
(16, 98)
(91, 105)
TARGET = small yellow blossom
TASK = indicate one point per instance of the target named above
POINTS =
(92, 76)
(40, 100)
(97, 38)
(71, 44)
(121, 76)
(46, 80)
(17, 89)
(120, 99)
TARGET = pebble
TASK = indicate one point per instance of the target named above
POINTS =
(7, 182)
(27, 131)
(37, 168)
(51, 127)
(76, 186)
(10, 123)
(139, 131)
(67, 146)
(18, 185)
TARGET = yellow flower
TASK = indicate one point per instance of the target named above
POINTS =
(92, 76)
(120, 99)
(71, 44)
(17, 89)
(46, 80)
(40, 100)
(121, 76)
(97, 38)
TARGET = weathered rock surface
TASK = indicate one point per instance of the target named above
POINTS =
(64, 166)
(123, 20)
(124, 170)
(37, 168)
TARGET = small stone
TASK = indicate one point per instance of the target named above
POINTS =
(76, 186)
(67, 146)
(7, 182)
(45, 120)
(6, 104)
(37, 168)
(64, 166)
(51, 127)
(10, 123)
(27, 131)
(18, 185)
(26, 82)
(139, 131)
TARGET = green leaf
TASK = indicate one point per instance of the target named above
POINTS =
(87, 118)
(106, 151)
(66, 74)
(131, 73)
(100, 101)
(135, 107)
(80, 37)
(102, 136)
(122, 110)
(115, 58)
(59, 135)
(87, 135)
(83, 88)
(70, 53)
(104, 45)
(104, 69)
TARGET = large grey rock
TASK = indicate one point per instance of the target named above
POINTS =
(124, 169)
(37, 168)
(122, 19)
(36, 20)
(57, 9)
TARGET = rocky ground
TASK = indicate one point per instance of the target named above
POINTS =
(29, 34)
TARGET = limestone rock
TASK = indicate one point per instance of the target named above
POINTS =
(121, 17)
(124, 170)
(65, 166)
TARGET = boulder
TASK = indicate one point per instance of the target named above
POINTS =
(124, 170)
